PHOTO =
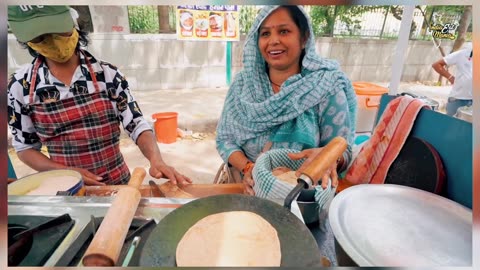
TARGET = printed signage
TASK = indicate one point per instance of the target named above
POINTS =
(210, 22)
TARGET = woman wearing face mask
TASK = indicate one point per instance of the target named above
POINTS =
(73, 103)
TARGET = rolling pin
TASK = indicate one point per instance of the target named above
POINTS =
(323, 160)
(107, 243)
(317, 168)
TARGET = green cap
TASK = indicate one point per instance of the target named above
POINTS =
(29, 21)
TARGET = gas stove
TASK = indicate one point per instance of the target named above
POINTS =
(65, 244)
(25, 249)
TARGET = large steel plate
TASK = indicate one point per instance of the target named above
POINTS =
(392, 225)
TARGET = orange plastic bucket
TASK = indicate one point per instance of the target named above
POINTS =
(368, 98)
(372, 93)
(165, 126)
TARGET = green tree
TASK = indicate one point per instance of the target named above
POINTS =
(444, 14)
(143, 19)
(463, 25)
(247, 17)
(167, 19)
(324, 18)
(172, 10)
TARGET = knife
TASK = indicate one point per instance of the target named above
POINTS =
(156, 192)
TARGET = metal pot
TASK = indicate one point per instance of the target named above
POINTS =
(465, 113)
(308, 206)
(309, 211)
(430, 102)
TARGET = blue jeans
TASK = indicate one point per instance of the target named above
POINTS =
(453, 104)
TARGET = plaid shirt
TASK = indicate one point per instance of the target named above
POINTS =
(48, 88)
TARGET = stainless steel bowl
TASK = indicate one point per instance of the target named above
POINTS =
(308, 206)
(309, 211)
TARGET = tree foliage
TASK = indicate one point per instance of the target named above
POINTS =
(247, 17)
(143, 19)
(324, 18)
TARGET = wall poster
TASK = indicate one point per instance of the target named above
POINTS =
(210, 22)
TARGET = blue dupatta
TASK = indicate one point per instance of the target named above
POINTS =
(251, 109)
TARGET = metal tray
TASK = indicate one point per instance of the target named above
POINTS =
(392, 225)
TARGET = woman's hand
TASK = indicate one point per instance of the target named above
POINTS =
(162, 170)
(248, 183)
(89, 178)
(310, 154)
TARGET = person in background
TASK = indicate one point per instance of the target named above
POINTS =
(73, 103)
(461, 93)
(286, 96)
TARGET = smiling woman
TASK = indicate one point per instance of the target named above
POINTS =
(281, 42)
(289, 96)
(286, 97)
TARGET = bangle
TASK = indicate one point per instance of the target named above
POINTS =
(247, 167)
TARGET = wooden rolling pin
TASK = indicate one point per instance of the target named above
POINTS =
(107, 243)
(317, 168)
(323, 160)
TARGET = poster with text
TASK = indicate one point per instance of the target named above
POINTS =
(209, 22)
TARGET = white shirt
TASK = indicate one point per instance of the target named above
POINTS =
(462, 87)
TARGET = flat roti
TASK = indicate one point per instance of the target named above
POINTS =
(288, 177)
(236, 238)
(280, 170)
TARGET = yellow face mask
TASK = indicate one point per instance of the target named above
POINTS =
(56, 47)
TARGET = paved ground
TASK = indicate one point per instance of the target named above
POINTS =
(198, 112)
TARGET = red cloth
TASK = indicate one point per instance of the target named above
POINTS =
(378, 153)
